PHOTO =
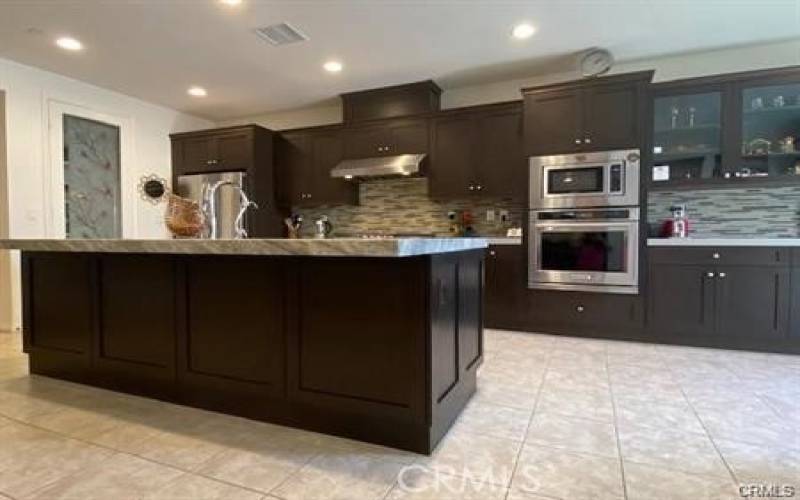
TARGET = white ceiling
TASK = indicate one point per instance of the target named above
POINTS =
(156, 49)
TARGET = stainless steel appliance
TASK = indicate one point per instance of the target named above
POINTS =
(380, 167)
(597, 179)
(223, 199)
(593, 250)
(323, 227)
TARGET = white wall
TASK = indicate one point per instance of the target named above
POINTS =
(6, 291)
(29, 94)
(728, 60)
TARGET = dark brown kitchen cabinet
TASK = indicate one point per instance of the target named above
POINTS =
(586, 115)
(478, 151)
(693, 294)
(506, 287)
(387, 138)
(681, 299)
(213, 150)
(553, 122)
(304, 161)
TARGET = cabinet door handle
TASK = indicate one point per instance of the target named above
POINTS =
(471, 187)
(479, 187)
(492, 253)
(580, 309)
(715, 255)
(709, 275)
(588, 140)
(577, 141)
(722, 275)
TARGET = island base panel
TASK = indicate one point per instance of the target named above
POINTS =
(383, 350)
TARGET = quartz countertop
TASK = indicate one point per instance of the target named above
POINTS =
(504, 240)
(723, 242)
(332, 247)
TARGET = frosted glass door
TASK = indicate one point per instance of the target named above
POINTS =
(91, 178)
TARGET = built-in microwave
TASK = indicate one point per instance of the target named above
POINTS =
(597, 179)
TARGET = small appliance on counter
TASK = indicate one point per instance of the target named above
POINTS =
(323, 227)
(294, 225)
(461, 223)
(678, 225)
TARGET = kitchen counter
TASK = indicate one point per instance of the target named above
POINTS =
(723, 242)
(333, 247)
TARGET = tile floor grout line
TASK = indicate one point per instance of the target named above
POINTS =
(528, 427)
(708, 434)
(616, 432)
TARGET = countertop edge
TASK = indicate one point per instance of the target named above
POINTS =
(723, 242)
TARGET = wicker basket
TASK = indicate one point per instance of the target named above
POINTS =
(184, 218)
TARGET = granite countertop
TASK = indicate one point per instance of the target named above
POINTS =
(723, 242)
(333, 247)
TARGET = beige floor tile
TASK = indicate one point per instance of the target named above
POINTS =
(475, 456)
(566, 475)
(516, 494)
(31, 459)
(650, 391)
(179, 450)
(523, 398)
(760, 463)
(416, 483)
(573, 434)
(192, 487)
(261, 465)
(494, 420)
(756, 424)
(687, 452)
(594, 405)
(122, 477)
(643, 482)
(679, 416)
(341, 476)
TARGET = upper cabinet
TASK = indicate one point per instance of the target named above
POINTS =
(478, 151)
(409, 99)
(304, 160)
(394, 137)
(215, 150)
(726, 129)
(586, 115)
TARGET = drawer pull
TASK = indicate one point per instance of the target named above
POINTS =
(709, 275)
(580, 309)
(722, 275)
(715, 255)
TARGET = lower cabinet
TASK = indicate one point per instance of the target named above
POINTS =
(506, 287)
(691, 297)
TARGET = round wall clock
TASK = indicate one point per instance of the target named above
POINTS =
(596, 62)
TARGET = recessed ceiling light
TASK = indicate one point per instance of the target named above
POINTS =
(69, 43)
(523, 31)
(197, 92)
(232, 3)
(333, 66)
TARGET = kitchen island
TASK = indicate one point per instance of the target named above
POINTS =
(377, 340)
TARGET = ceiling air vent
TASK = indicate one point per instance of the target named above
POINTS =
(281, 34)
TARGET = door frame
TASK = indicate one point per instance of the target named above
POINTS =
(53, 185)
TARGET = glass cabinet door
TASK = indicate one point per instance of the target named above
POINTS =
(687, 137)
(770, 132)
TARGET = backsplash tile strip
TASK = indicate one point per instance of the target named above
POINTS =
(770, 212)
(403, 206)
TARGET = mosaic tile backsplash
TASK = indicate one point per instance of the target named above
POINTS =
(403, 206)
(759, 212)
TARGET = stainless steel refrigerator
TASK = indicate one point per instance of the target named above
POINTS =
(220, 193)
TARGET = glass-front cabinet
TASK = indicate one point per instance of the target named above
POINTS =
(770, 143)
(726, 129)
(687, 136)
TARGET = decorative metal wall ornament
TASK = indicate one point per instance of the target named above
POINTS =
(153, 188)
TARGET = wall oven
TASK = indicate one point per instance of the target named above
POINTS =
(597, 179)
(593, 250)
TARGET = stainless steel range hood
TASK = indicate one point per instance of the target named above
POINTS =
(385, 166)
